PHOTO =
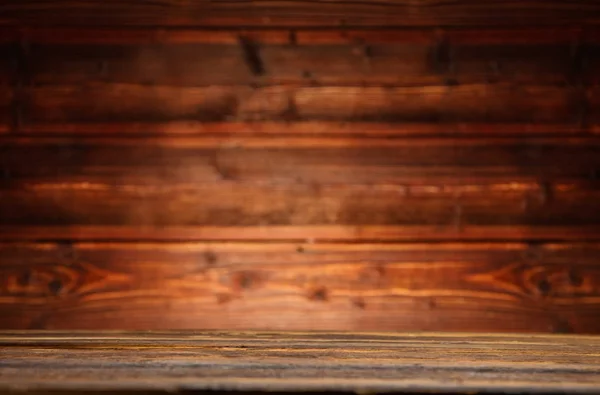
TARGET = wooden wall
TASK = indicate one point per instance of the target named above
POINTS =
(348, 165)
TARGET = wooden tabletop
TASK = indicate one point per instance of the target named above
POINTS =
(311, 361)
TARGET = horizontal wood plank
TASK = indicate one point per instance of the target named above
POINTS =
(313, 233)
(299, 188)
(431, 212)
(275, 129)
(130, 362)
(300, 13)
(347, 63)
(98, 102)
(457, 287)
(284, 160)
(461, 35)
(199, 64)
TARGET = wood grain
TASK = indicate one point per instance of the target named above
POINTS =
(461, 35)
(349, 56)
(299, 13)
(257, 164)
(243, 130)
(300, 188)
(427, 211)
(303, 160)
(99, 102)
(450, 287)
(342, 362)
(328, 63)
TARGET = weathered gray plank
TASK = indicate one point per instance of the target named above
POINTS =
(299, 361)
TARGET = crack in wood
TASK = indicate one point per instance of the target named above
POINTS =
(252, 58)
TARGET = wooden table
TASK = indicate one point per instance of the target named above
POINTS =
(292, 362)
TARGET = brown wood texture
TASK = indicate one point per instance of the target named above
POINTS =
(203, 188)
(263, 164)
(299, 13)
(415, 57)
(418, 75)
(526, 76)
(265, 361)
(466, 103)
(484, 287)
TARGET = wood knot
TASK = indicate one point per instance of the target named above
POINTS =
(55, 287)
(359, 303)
(223, 298)
(244, 281)
(543, 287)
(24, 279)
(210, 258)
(319, 295)
(575, 279)
(431, 303)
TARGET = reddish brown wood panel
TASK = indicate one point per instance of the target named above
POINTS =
(99, 102)
(347, 63)
(173, 187)
(476, 287)
(241, 130)
(303, 160)
(433, 212)
(299, 13)
(167, 126)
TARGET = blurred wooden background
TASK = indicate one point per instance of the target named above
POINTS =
(344, 165)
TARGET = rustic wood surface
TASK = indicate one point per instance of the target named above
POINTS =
(528, 75)
(298, 13)
(459, 287)
(228, 187)
(414, 57)
(262, 164)
(322, 361)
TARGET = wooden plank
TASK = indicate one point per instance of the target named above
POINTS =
(449, 287)
(348, 63)
(326, 362)
(255, 188)
(313, 233)
(200, 64)
(289, 160)
(307, 129)
(119, 35)
(431, 212)
(300, 13)
(465, 103)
